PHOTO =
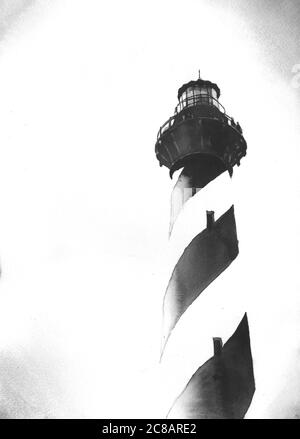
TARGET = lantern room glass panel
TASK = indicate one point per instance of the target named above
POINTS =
(197, 95)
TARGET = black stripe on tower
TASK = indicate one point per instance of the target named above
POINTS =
(223, 387)
(204, 259)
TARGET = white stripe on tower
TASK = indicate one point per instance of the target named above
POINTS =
(191, 219)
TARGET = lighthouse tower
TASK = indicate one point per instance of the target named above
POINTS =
(202, 141)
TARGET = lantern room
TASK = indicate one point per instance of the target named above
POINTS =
(198, 92)
(200, 132)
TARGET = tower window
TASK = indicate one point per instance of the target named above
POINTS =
(218, 345)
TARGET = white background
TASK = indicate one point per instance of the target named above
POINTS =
(84, 206)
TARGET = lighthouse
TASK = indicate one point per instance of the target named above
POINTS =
(202, 142)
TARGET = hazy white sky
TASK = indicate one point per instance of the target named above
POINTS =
(84, 206)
